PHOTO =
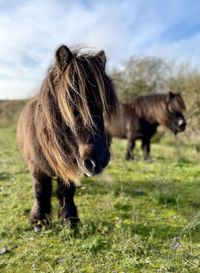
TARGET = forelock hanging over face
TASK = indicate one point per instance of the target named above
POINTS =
(83, 78)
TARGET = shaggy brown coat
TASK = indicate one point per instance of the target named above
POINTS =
(140, 118)
(61, 130)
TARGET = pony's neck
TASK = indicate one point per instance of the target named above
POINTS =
(155, 110)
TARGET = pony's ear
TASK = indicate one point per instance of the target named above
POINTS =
(170, 96)
(63, 56)
(101, 56)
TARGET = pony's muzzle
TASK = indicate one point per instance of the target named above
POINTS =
(89, 165)
(182, 124)
(95, 166)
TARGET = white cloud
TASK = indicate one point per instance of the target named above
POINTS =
(30, 32)
(181, 51)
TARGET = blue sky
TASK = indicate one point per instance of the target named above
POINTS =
(31, 30)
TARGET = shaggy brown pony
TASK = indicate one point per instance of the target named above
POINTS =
(61, 130)
(140, 118)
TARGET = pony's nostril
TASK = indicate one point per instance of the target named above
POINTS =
(181, 123)
(89, 164)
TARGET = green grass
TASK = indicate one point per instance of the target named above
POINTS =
(136, 216)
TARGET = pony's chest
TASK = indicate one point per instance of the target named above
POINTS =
(147, 128)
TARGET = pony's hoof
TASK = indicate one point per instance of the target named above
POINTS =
(39, 225)
(37, 229)
(148, 160)
(71, 222)
(129, 158)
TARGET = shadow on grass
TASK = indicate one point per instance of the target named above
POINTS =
(131, 189)
(166, 192)
(5, 175)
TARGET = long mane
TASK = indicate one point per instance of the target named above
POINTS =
(63, 95)
(155, 107)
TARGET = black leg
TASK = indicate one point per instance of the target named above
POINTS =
(67, 209)
(130, 147)
(109, 139)
(40, 213)
(146, 149)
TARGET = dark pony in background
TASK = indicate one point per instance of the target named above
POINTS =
(61, 130)
(140, 118)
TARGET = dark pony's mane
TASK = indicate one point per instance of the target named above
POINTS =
(62, 107)
(157, 106)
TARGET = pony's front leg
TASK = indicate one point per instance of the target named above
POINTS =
(67, 209)
(146, 149)
(40, 213)
(130, 147)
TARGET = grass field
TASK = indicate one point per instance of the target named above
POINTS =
(136, 216)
